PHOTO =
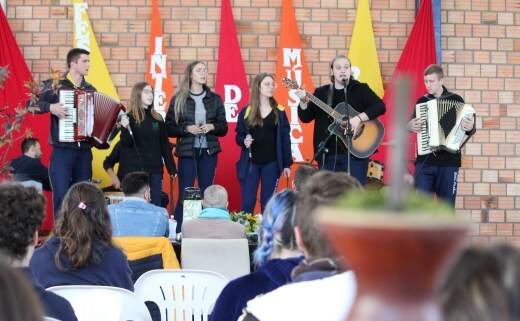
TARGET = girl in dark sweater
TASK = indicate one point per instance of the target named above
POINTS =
(81, 251)
(144, 143)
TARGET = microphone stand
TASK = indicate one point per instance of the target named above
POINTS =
(349, 132)
(322, 150)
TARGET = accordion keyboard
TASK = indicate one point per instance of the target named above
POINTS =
(66, 124)
(423, 137)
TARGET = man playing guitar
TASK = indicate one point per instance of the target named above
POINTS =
(360, 97)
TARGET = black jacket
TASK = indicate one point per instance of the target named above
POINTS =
(26, 168)
(360, 97)
(441, 157)
(152, 144)
(47, 97)
(215, 114)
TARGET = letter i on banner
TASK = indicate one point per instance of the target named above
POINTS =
(98, 76)
(158, 76)
(291, 63)
(231, 85)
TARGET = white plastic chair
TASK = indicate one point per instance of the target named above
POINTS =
(229, 257)
(181, 294)
(103, 303)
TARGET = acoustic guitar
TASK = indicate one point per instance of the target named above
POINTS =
(367, 137)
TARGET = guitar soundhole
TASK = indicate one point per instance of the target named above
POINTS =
(360, 131)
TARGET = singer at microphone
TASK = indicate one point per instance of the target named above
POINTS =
(342, 89)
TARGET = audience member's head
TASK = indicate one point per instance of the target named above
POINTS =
(21, 213)
(301, 175)
(83, 221)
(18, 302)
(215, 196)
(31, 147)
(322, 188)
(136, 184)
(483, 284)
(277, 231)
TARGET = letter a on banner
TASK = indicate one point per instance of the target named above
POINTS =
(158, 75)
(231, 85)
(291, 63)
(97, 75)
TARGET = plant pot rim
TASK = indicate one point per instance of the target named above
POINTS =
(388, 219)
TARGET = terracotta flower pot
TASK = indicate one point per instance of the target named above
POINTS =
(396, 260)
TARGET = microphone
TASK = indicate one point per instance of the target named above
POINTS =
(249, 148)
(129, 128)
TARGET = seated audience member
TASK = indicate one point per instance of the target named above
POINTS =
(322, 289)
(275, 258)
(124, 168)
(301, 175)
(483, 284)
(29, 167)
(214, 221)
(81, 251)
(17, 300)
(135, 215)
(21, 213)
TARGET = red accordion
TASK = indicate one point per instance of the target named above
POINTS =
(90, 116)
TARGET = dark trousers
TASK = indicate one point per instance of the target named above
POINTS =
(441, 180)
(201, 166)
(156, 188)
(338, 163)
(268, 174)
(67, 167)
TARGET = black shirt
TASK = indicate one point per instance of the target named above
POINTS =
(26, 168)
(263, 149)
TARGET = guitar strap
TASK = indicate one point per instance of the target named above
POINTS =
(331, 94)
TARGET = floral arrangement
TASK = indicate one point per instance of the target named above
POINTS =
(250, 221)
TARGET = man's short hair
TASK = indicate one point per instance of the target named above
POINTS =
(21, 214)
(320, 189)
(74, 54)
(434, 69)
(135, 183)
(27, 143)
(302, 174)
(215, 196)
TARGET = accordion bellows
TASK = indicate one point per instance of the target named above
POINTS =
(90, 116)
(441, 127)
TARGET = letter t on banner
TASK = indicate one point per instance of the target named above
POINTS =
(231, 85)
(291, 63)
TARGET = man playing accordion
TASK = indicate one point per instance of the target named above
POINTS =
(71, 162)
(437, 171)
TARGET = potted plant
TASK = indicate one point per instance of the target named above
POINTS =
(250, 221)
(396, 256)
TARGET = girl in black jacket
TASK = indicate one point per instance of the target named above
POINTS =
(197, 118)
(144, 143)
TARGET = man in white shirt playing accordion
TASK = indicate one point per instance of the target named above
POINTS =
(436, 169)
(71, 161)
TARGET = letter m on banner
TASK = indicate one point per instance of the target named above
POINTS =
(291, 63)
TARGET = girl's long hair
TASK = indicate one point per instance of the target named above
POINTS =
(184, 90)
(135, 106)
(254, 119)
(83, 222)
(277, 230)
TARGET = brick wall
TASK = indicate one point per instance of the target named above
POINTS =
(481, 54)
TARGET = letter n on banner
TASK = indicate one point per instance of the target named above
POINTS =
(291, 63)
(158, 75)
(98, 76)
(231, 85)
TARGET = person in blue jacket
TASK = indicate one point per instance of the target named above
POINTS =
(263, 133)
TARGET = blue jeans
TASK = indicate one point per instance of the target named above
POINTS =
(268, 174)
(67, 167)
(441, 180)
(156, 188)
(338, 163)
(201, 166)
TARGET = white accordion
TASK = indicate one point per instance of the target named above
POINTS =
(441, 125)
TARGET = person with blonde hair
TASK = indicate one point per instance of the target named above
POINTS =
(197, 119)
(263, 133)
(144, 141)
